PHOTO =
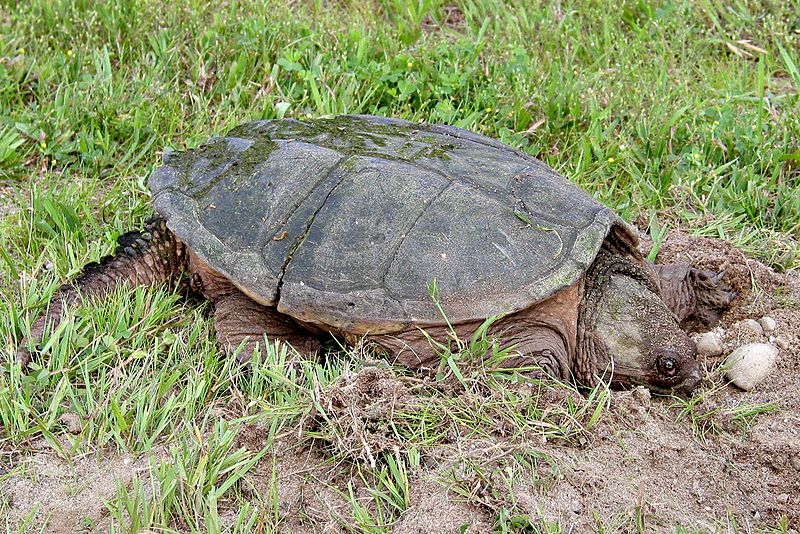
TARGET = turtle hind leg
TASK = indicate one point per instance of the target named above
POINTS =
(149, 257)
(238, 318)
(698, 298)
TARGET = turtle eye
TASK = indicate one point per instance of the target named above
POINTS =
(667, 366)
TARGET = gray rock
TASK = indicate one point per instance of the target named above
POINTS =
(709, 344)
(768, 323)
(750, 364)
(782, 342)
(795, 461)
(753, 326)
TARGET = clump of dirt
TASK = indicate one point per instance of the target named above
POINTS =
(376, 410)
(427, 513)
(452, 17)
(354, 413)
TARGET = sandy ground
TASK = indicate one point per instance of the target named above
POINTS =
(642, 464)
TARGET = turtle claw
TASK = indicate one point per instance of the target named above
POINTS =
(713, 296)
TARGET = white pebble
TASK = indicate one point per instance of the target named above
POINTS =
(782, 342)
(795, 461)
(642, 394)
(709, 344)
(768, 323)
(750, 364)
(753, 326)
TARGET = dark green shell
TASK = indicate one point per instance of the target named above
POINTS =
(345, 222)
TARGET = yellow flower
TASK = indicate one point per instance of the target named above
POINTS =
(70, 53)
(611, 160)
(22, 51)
(488, 110)
(410, 64)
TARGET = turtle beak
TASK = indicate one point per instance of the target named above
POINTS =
(692, 380)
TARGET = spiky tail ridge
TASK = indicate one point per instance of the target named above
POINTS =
(152, 256)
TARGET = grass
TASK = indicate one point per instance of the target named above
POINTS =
(674, 113)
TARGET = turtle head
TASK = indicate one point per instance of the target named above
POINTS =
(641, 338)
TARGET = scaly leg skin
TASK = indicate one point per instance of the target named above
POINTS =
(151, 257)
(538, 352)
(696, 297)
(239, 318)
(542, 338)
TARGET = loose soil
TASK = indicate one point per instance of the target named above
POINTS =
(644, 464)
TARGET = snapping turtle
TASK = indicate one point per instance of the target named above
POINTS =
(296, 230)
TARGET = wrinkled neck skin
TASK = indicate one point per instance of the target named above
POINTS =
(630, 337)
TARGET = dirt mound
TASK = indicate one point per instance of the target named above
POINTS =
(354, 414)
(757, 284)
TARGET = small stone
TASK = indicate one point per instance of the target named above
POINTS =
(750, 364)
(697, 490)
(782, 342)
(72, 422)
(753, 326)
(709, 344)
(642, 394)
(768, 323)
(783, 498)
(795, 461)
(577, 506)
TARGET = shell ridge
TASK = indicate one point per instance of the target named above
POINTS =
(500, 199)
(300, 239)
(406, 231)
(311, 190)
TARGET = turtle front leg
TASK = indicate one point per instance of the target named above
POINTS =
(541, 338)
(536, 351)
(542, 353)
(238, 318)
(153, 256)
(696, 297)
